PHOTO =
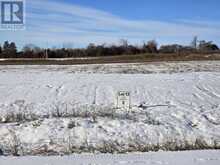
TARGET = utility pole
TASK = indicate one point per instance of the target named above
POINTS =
(46, 51)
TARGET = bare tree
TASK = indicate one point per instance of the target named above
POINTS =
(31, 48)
(68, 45)
(123, 43)
(194, 42)
(0, 49)
(151, 47)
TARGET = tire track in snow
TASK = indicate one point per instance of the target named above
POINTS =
(208, 92)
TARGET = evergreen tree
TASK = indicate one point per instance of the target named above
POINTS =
(9, 50)
(13, 49)
(6, 46)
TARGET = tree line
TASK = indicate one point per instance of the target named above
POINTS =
(9, 50)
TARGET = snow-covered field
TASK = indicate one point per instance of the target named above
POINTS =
(46, 110)
(142, 68)
(159, 158)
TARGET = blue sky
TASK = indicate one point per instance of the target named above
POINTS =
(165, 9)
(79, 22)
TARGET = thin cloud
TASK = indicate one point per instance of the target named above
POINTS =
(58, 22)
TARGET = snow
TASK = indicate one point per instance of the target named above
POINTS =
(210, 157)
(135, 68)
(47, 110)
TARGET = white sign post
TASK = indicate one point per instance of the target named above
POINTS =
(123, 100)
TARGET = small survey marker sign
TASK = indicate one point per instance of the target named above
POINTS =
(123, 100)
